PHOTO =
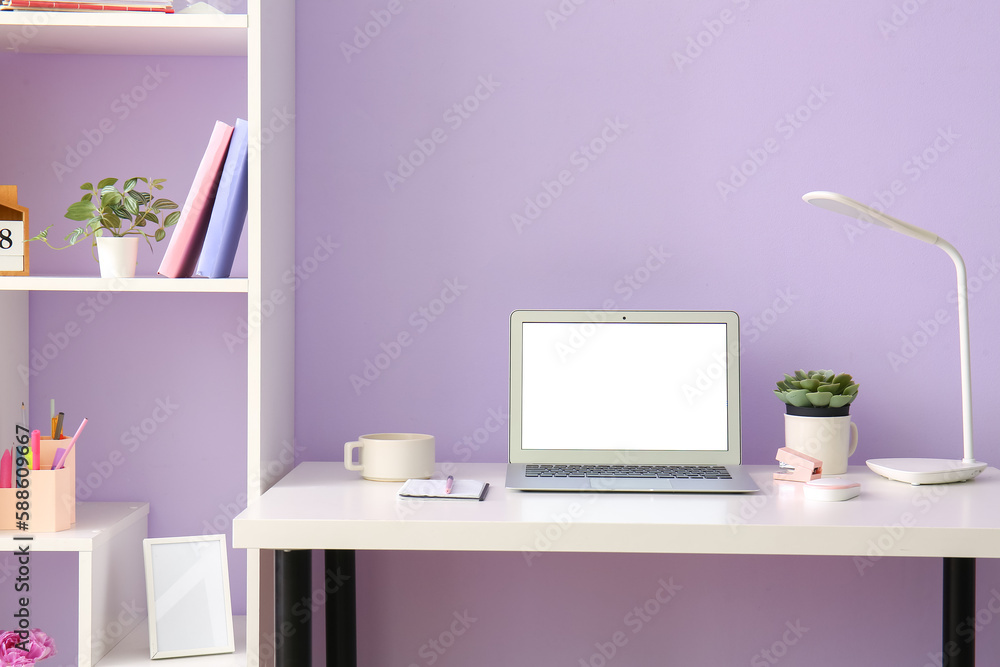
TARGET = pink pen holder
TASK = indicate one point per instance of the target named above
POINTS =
(52, 495)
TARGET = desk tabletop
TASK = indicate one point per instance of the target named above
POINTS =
(320, 505)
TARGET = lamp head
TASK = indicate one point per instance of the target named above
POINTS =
(832, 201)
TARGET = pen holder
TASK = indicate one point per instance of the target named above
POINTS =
(52, 494)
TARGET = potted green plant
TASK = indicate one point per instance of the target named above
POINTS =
(817, 416)
(829, 394)
(114, 219)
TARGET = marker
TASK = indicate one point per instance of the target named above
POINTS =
(24, 416)
(21, 458)
(59, 464)
(52, 416)
(5, 470)
(36, 450)
(59, 426)
(448, 484)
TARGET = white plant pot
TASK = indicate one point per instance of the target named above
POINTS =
(117, 255)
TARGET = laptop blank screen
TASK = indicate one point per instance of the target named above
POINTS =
(625, 384)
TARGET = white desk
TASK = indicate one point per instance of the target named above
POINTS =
(323, 506)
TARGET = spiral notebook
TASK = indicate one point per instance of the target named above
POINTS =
(462, 489)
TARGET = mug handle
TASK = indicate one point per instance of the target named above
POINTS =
(349, 448)
(854, 438)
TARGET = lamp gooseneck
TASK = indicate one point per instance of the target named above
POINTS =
(963, 337)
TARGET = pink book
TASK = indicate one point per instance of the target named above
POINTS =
(185, 243)
(85, 6)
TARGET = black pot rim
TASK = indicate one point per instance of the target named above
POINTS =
(817, 412)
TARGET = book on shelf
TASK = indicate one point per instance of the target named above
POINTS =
(164, 6)
(184, 247)
(229, 213)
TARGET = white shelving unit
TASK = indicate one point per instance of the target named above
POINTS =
(108, 538)
(266, 36)
(124, 33)
(147, 284)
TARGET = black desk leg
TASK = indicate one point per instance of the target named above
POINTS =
(292, 586)
(959, 639)
(341, 614)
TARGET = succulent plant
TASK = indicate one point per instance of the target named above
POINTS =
(817, 389)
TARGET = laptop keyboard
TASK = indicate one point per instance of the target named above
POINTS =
(627, 471)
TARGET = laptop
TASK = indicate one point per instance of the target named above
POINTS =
(625, 401)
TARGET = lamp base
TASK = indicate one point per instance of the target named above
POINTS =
(926, 471)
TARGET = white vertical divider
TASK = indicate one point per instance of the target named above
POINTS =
(13, 379)
(271, 237)
(85, 606)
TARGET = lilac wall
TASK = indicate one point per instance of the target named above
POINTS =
(824, 95)
(892, 86)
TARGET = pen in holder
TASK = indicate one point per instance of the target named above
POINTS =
(52, 494)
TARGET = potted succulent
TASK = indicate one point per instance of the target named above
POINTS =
(114, 219)
(821, 393)
(817, 416)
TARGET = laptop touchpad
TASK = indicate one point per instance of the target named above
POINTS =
(624, 484)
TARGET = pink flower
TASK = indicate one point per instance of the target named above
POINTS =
(39, 646)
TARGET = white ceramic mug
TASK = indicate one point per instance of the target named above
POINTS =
(392, 457)
(830, 439)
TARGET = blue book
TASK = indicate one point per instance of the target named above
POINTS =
(229, 213)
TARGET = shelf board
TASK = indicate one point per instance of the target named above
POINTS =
(124, 33)
(140, 284)
(95, 523)
(133, 650)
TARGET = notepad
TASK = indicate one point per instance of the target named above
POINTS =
(462, 489)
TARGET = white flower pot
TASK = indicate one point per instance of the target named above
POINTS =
(117, 255)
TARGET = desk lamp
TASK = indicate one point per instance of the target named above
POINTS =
(921, 471)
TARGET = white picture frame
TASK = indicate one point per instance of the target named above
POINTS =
(187, 596)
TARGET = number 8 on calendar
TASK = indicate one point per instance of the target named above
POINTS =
(13, 232)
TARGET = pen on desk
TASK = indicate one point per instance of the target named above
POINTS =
(62, 460)
(59, 426)
(448, 484)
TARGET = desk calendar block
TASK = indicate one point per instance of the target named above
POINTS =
(13, 232)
